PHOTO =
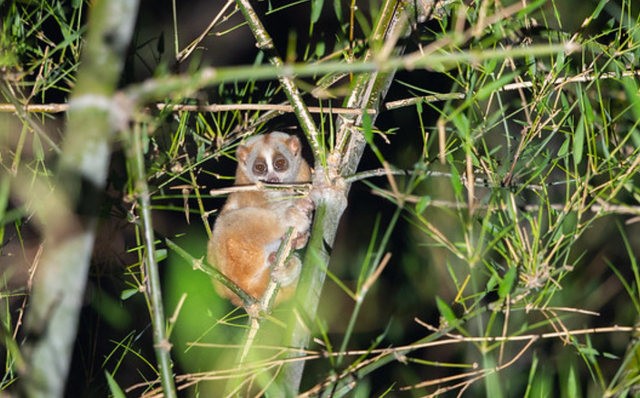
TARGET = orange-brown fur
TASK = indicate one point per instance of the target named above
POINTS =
(251, 224)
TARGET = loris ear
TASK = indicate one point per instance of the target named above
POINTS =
(243, 154)
(294, 145)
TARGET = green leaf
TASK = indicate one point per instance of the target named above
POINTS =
(337, 8)
(631, 89)
(560, 62)
(367, 129)
(422, 204)
(493, 384)
(507, 282)
(320, 48)
(573, 389)
(493, 86)
(316, 10)
(202, 150)
(564, 149)
(4, 197)
(37, 148)
(587, 111)
(491, 283)
(445, 310)
(161, 254)
(570, 223)
(578, 141)
(531, 7)
(128, 293)
(461, 123)
(490, 65)
(114, 387)
(599, 8)
(456, 181)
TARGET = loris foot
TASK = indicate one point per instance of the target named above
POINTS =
(305, 204)
(288, 274)
(300, 240)
(306, 207)
(297, 218)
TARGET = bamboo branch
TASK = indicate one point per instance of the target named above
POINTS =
(213, 108)
(200, 265)
(173, 86)
(265, 43)
(603, 208)
(58, 108)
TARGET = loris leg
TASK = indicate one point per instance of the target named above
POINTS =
(240, 247)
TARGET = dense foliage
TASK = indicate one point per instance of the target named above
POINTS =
(489, 153)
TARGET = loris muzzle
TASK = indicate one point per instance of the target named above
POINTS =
(251, 225)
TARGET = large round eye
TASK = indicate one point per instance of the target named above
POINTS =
(280, 163)
(260, 168)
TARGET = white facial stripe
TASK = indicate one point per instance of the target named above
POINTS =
(268, 157)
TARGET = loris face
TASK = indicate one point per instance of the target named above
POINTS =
(272, 158)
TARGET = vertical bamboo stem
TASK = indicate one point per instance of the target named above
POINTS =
(369, 90)
(72, 208)
(161, 344)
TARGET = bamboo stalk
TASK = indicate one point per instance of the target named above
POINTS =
(58, 292)
(368, 91)
(161, 344)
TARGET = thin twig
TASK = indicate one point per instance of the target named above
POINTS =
(295, 189)
(595, 208)
(454, 339)
(213, 108)
(478, 181)
(249, 370)
(184, 54)
(509, 87)
(478, 375)
(23, 112)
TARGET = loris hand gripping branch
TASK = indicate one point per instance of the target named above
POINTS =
(251, 225)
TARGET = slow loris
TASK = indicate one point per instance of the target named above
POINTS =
(251, 225)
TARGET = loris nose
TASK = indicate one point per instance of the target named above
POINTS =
(273, 179)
